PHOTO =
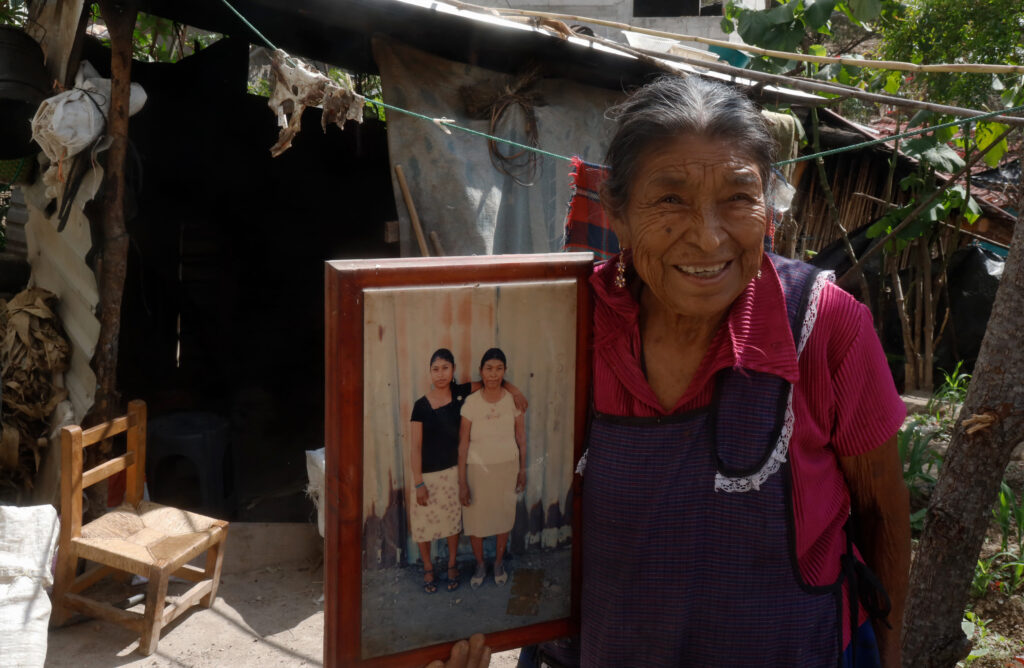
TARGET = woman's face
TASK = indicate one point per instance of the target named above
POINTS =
(695, 221)
(492, 373)
(441, 373)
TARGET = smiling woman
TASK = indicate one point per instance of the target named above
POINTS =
(492, 457)
(742, 405)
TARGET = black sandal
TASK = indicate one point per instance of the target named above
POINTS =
(429, 586)
(453, 582)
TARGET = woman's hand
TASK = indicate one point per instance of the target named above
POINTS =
(520, 400)
(521, 481)
(422, 495)
(464, 496)
(472, 654)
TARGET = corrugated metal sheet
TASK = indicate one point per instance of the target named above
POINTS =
(58, 265)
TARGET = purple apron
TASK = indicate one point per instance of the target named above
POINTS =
(676, 573)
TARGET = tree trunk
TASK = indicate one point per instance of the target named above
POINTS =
(990, 425)
(119, 16)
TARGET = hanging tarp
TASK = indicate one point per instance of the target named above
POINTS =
(479, 203)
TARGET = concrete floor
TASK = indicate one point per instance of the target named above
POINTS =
(269, 612)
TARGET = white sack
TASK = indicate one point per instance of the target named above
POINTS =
(28, 541)
(68, 122)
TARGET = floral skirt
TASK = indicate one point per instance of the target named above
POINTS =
(442, 516)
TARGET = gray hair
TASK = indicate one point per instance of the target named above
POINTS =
(673, 106)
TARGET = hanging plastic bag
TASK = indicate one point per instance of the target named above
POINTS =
(68, 122)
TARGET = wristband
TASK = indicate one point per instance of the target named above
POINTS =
(420, 485)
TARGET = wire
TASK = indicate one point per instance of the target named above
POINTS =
(445, 123)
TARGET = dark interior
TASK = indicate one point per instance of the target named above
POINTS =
(223, 304)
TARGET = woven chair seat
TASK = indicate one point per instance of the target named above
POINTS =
(148, 535)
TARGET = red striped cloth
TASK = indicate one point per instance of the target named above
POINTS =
(585, 226)
(845, 402)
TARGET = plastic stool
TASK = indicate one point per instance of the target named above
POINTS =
(200, 438)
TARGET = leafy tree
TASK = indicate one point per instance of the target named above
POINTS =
(956, 31)
(13, 12)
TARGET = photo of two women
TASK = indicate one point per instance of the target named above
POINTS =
(468, 460)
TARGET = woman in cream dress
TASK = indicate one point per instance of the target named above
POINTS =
(492, 461)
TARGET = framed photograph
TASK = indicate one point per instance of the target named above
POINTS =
(457, 390)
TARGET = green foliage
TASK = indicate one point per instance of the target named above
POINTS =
(13, 13)
(157, 39)
(955, 31)
(914, 444)
(953, 391)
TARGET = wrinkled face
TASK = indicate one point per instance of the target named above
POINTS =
(492, 373)
(695, 221)
(441, 373)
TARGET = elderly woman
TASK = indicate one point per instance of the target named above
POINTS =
(492, 464)
(742, 406)
(742, 409)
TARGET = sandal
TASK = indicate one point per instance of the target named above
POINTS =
(500, 574)
(478, 576)
(453, 581)
(429, 587)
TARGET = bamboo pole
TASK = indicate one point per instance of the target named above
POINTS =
(981, 68)
(801, 84)
(805, 85)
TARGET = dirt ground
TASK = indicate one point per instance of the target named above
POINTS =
(269, 612)
(537, 590)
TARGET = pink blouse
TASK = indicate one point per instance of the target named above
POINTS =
(844, 402)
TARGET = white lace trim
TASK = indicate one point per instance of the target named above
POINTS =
(581, 466)
(781, 450)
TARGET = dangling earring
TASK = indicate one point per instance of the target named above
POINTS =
(620, 270)
(759, 273)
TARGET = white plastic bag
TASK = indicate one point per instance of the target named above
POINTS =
(68, 122)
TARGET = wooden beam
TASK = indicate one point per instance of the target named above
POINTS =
(107, 469)
(87, 606)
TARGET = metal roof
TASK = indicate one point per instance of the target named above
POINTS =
(339, 32)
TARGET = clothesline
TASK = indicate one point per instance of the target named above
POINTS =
(447, 124)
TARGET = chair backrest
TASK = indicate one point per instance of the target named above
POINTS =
(74, 440)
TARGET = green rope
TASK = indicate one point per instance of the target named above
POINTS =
(450, 124)
(873, 142)
(14, 179)
(445, 123)
(249, 25)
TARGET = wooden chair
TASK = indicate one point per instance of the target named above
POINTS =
(139, 537)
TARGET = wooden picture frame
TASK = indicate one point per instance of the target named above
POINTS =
(383, 319)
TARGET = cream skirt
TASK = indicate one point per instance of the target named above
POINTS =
(442, 516)
(492, 488)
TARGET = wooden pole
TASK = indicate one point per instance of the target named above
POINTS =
(413, 217)
(119, 16)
